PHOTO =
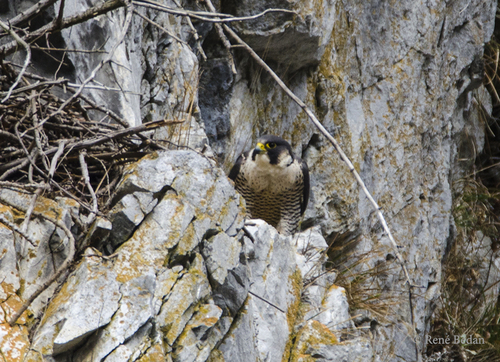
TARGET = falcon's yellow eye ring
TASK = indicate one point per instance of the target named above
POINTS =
(271, 145)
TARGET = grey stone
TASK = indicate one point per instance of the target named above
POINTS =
(200, 335)
(240, 344)
(180, 303)
(87, 302)
(8, 267)
(228, 276)
(394, 82)
(293, 41)
(274, 286)
(128, 213)
(134, 310)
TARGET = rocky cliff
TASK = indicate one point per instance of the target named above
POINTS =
(168, 274)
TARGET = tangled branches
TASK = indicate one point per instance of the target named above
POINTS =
(74, 154)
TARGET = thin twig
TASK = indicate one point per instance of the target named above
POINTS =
(23, 186)
(268, 302)
(27, 60)
(93, 74)
(15, 228)
(207, 16)
(36, 130)
(13, 170)
(65, 265)
(27, 217)
(30, 12)
(53, 163)
(61, 12)
(67, 50)
(100, 140)
(86, 178)
(223, 38)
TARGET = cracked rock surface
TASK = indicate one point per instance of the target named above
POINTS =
(395, 82)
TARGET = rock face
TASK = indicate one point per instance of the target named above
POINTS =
(396, 84)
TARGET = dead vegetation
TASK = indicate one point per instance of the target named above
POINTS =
(469, 304)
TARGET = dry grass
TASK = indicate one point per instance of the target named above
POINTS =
(468, 305)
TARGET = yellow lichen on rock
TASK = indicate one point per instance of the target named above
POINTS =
(155, 353)
(311, 337)
(11, 305)
(292, 313)
(14, 342)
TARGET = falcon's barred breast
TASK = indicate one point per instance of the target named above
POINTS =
(274, 183)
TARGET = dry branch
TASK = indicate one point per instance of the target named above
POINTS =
(223, 38)
(332, 140)
(86, 178)
(30, 12)
(11, 47)
(210, 17)
(15, 228)
(98, 141)
(26, 60)
(64, 266)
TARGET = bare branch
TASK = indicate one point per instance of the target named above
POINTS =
(100, 140)
(26, 60)
(223, 38)
(27, 218)
(15, 228)
(268, 302)
(103, 8)
(30, 12)
(207, 16)
(53, 163)
(86, 178)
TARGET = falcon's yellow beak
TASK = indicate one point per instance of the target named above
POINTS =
(260, 148)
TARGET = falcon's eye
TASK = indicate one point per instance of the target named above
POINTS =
(271, 145)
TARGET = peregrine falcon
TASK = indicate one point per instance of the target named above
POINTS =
(274, 183)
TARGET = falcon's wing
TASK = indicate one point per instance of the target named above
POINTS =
(307, 186)
(236, 168)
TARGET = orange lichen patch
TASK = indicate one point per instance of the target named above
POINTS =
(48, 207)
(311, 337)
(13, 304)
(61, 298)
(154, 354)
(129, 265)
(216, 356)
(14, 342)
(8, 288)
(188, 241)
(68, 203)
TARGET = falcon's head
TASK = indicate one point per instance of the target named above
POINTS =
(272, 150)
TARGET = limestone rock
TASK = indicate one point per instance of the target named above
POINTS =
(292, 40)
(86, 303)
(272, 303)
(394, 82)
(228, 275)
